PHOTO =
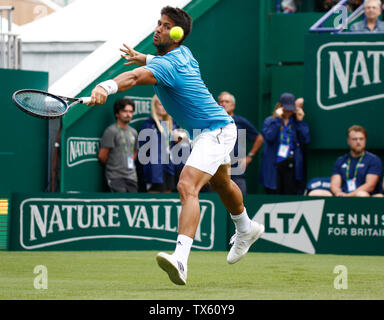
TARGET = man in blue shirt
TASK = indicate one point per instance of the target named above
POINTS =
(371, 22)
(356, 173)
(240, 160)
(175, 76)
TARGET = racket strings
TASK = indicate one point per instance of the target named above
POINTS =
(41, 103)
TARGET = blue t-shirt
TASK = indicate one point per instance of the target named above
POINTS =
(184, 94)
(362, 26)
(370, 164)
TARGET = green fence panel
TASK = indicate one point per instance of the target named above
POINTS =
(23, 148)
(286, 33)
(344, 86)
(353, 226)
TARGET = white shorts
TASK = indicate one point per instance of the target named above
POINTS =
(211, 149)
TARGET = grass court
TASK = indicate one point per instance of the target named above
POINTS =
(134, 275)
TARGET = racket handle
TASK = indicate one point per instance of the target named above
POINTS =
(85, 100)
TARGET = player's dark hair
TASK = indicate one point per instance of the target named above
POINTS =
(180, 18)
(121, 103)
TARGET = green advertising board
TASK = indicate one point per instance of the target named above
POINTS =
(312, 225)
(109, 221)
(23, 147)
(344, 85)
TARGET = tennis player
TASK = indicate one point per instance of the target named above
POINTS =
(175, 76)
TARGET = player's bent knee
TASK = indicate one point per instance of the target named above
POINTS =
(186, 189)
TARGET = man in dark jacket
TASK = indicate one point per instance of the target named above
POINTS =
(284, 133)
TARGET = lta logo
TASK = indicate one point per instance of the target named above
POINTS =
(292, 224)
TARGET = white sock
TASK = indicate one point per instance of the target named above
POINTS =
(242, 221)
(183, 247)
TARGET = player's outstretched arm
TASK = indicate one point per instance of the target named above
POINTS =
(122, 82)
(136, 77)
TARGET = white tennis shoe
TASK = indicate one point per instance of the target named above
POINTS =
(241, 242)
(176, 270)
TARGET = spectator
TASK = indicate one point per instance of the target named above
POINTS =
(284, 133)
(325, 5)
(159, 172)
(352, 5)
(357, 173)
(289, 6)
(118, 149)
(370, 23)
(227, 100)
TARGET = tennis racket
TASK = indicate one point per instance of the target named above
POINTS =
(45, 105)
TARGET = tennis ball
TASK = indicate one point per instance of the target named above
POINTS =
(176, 33)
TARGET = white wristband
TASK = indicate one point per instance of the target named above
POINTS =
(148, 58)
(110, 86)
